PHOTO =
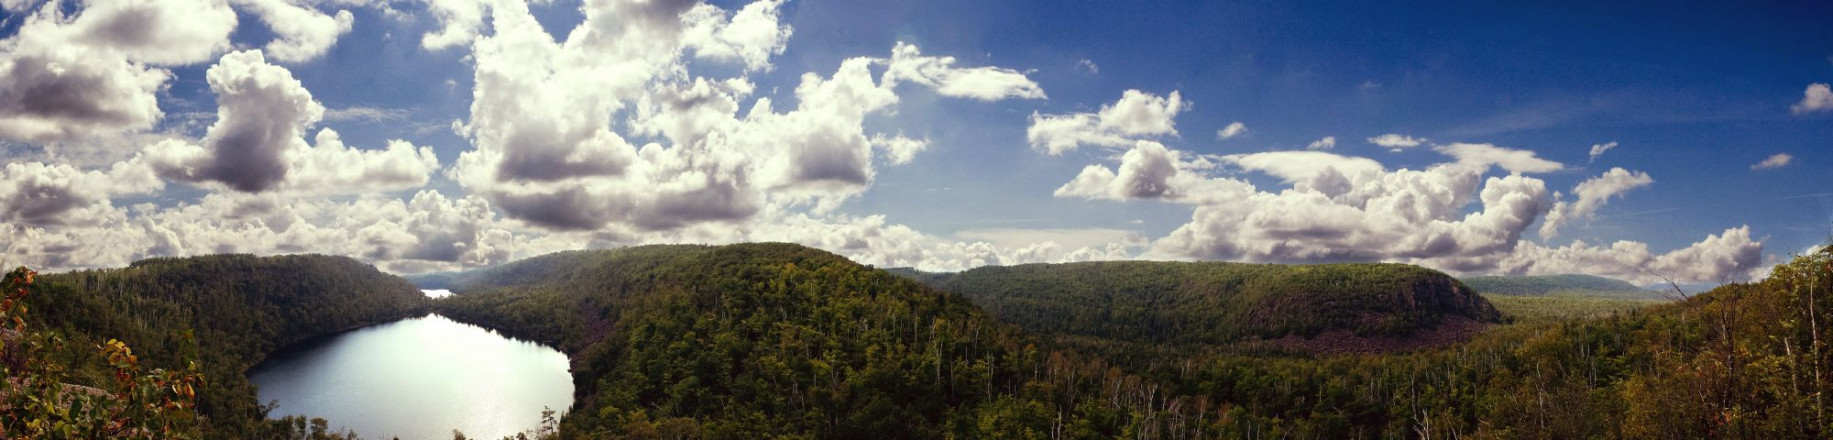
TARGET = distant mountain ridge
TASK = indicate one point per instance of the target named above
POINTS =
(1568, 284)
(1217, 302)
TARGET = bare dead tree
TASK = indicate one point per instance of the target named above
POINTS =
(1673, 293)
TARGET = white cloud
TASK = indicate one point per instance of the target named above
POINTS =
(1151, 171)
(39, 194)
(982, 83)
(1328, 142)
(1396, 141)
(1592, 194)
(1093, 238)
(1774, 161)
(1136, 115)
(1233, 130)
(751, 36)
(166, 32)
(1400, 215)
(72, 78)
(546, 114)
(1342, 208)
(459, 23)
(257, 143)
(1328, 173)
(1336, 208)
(1088, 66)
(1599, 149)
(1728, 256)
(427, 232)
(304, 33)
(901, 150)
(1518, 161)
(1817, 98)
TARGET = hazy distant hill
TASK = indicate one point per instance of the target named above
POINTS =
(240, 307)
(1570, 285)
(1217, 303)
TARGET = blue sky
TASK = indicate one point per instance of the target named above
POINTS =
(1504, 102)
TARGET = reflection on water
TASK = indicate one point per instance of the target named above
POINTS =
(436, 293)
(418, 378)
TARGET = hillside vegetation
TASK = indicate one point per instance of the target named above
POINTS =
(216, 315)
(1216, 303)
(778, 340)
(1567, 285)
(770, 340)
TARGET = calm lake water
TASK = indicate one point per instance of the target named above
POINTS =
(418, 378)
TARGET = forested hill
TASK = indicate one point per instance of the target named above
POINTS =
(1215, 302)
(239, 307)
(1580, 285)
(781, 341)
(785, 341)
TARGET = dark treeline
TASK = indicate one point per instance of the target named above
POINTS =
(217, 315)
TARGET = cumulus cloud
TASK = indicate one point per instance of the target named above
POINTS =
(459, 22)
(67, 78)
(1233, 130)
(1396, 141)
(981, 83)
(1599, 149)
(304, 33)
(1328, 142)
(751, 36)
(1725, 257)
(1774, 161)
(1518, 161)
(427, 232)
(1454, 216)
(901, 150)
(1151, 171)
(545, 117)
(1592, 194)
(40, 194)
(175, 32)
(1403, 214)
(1136, 115)
(257, 141)
(1817, 98)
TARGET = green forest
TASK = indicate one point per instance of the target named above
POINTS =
(200, 320)
(1185, 304)
(785, 341)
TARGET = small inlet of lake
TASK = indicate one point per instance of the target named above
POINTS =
(417, 378)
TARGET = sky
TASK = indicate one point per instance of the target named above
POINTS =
(1637, 140)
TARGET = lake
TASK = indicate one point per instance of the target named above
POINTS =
(418, 378)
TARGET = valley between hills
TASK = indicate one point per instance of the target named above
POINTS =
(770, 340)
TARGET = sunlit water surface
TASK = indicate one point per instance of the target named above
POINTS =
(418, 378)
